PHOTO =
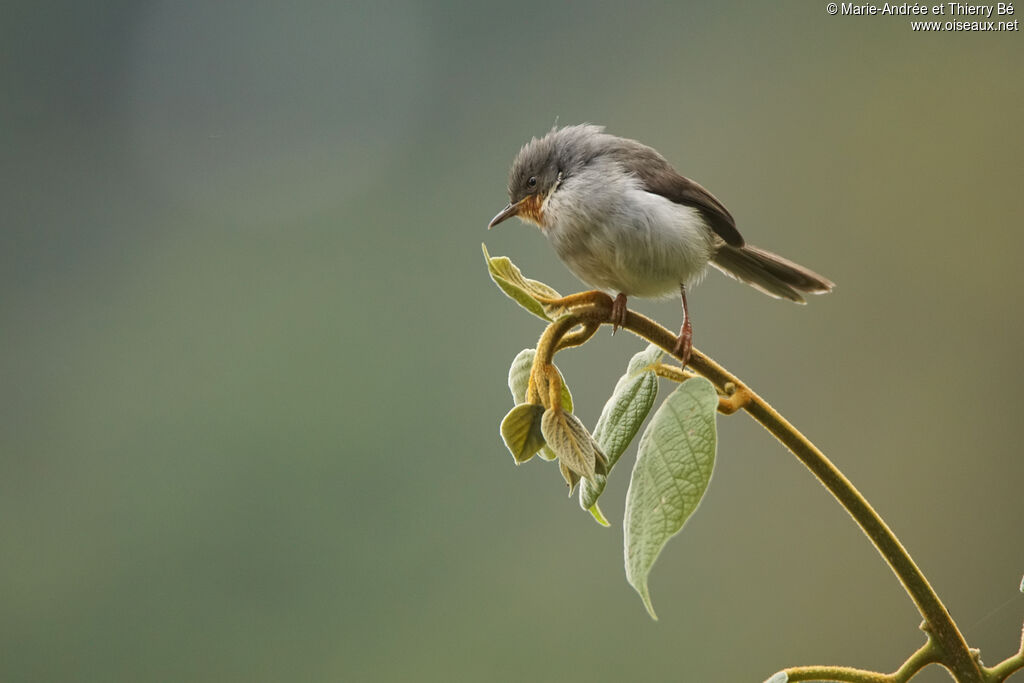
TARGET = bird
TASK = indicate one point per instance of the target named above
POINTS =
(625, 222)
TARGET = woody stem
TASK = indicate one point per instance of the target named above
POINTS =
(955, 654)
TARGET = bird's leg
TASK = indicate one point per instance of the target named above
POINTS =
(618, 312)
(685, 341)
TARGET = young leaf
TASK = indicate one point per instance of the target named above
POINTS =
(598, 515)
(519, 379)
(519, 374)
(571, 476)
(521, 430)
(623, 414)
(571, 442)
(520, 289)
(672, 471)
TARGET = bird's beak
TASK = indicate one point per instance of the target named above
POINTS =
(504, 214)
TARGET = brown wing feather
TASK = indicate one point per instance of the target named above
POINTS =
(658, 177)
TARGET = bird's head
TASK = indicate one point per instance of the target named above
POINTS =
(540, 168)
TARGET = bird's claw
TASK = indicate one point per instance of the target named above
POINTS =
(618, 317)
(684, 344)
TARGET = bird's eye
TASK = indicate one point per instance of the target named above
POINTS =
(532, 182)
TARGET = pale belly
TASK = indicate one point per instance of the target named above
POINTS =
(647, 250)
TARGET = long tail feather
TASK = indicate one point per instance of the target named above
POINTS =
(770, 273)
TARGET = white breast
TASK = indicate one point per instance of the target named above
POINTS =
(615, 236)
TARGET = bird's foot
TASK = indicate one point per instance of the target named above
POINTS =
(619, 310)
(684, 344)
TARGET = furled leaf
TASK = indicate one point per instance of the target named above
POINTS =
(623, 414)
(519, 379)
(526, 292)
(521, 430)
(572, 443)
(673, 467)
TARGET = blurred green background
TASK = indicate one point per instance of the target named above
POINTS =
(253, 367)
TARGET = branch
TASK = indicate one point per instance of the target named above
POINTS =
(843, 674)
(1000, 672)
(595, 308)
(734, 398)
(578, 337)
(1006, 668)
(925, 655)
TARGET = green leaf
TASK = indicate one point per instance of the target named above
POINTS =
(521, 430)
(572, 443)
(519, 379)
(522, 290)
(519, 374)
(598, 515)
(623, 414)
(672, 471)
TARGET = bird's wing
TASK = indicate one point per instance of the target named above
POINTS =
(658, 177)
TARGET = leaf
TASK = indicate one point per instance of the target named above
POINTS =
(519, 374)
(629, 404)
(524, 291)
(572, 443)
(598, 515)
(672, 471)
(571, 477)
(623, 414)
(521, 431)
(547, 454)
(519, 379)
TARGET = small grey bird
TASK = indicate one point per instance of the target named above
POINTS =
(624, 221)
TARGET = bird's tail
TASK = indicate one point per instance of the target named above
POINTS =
(770, 273)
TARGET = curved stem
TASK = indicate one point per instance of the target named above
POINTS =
(578, 337)
(925, 655)
(940, 626)
(676, 374)
(844, 674)
(1006, 668)
(1003, 670)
